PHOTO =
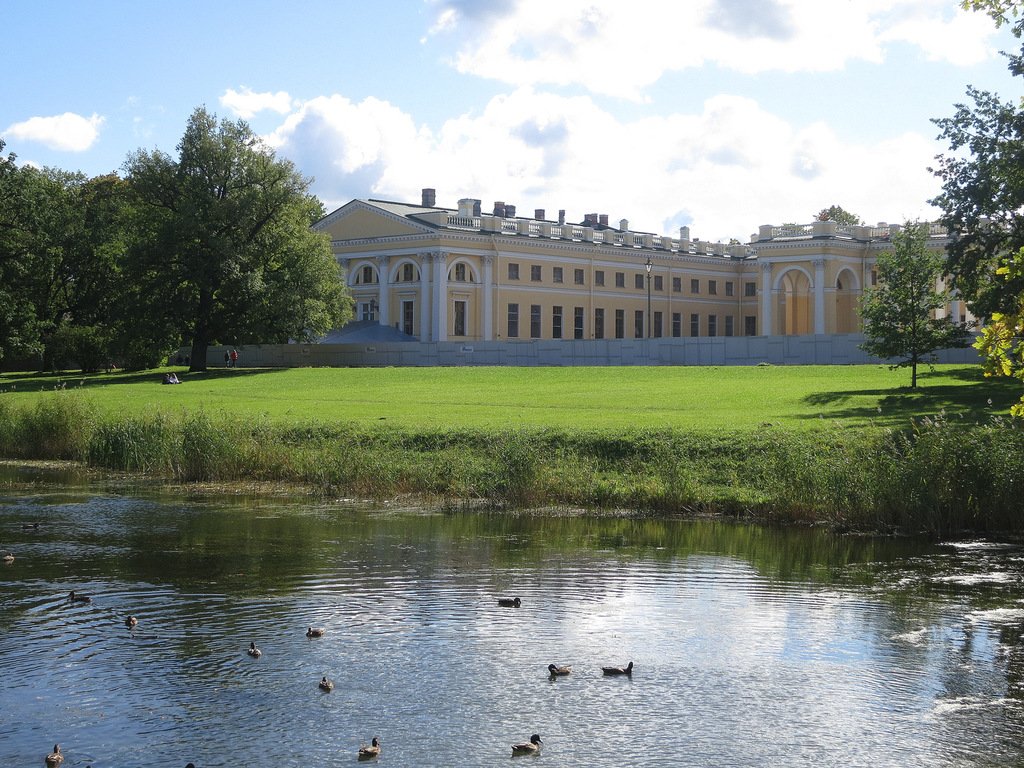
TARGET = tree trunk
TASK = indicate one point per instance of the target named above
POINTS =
(913, 373)
(201, 333)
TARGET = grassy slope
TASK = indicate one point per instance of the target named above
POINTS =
(607, 398)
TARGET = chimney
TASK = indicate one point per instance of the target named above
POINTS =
(561, 216)
(510, 211)
(429, 197)
(476, 207)
(590, 219)
(499, 208)
(538, 214)
(684, 233)
(624, 225)
(603, 219)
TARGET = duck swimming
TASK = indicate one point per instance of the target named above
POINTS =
(509, 602)
(254, 651)
(531, 747)
(7, 557)
(326, 685)
(626, 670)
(315, 632)
(367, 753)
(130, 622)
(78, 597)
(55, 758)
(559, 671)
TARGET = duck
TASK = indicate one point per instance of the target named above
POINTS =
(531, 747)
(254, 651)
(30, 526)
(326, 685)
(315, 632)
(370, 752)
(55, 758)
(559, 671)
(130, 622)
(626, 670)
(78, 597)
(7, 557)
(509, 602)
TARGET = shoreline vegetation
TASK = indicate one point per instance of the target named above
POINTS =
(936, 475)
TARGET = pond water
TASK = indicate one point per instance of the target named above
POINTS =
(752, 646)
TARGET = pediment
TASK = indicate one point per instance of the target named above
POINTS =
(359, 220)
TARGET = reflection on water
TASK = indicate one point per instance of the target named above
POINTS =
(752, 646)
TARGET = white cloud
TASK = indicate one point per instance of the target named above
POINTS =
(707, 169)
(619, 48)
(67, 133)
(246, 103)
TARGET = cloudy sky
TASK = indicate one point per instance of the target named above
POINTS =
(717, 114)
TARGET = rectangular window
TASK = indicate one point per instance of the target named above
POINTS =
(513, 321)
(407, 273)
(874, 277)
(657, 325)
(750, 289)
(638, 324)
(599, 277)
(677, 324)
(598, 323)
(750, 325)
(712, 325)
(695, 286)
(513, 271)
(620, 279)
(459, 324)
(577, 276)
(620, 323)
(577, 323)
(535, 273)
(659, 283)
(638, 281)
(368, 275)
(728, 325)
(728, 288)
(408, 316)
(695, 325)
(556, 274)
(556, 322)
(677, 285)
(535, 321)
(712, 287)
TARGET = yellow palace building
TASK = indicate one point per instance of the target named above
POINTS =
(428, 273)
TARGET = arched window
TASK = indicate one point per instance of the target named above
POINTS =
(408, 273)
(460, 272)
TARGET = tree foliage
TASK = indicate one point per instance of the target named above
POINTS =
(1002, 338)
(226, 253)
(837, 214)
(898, 313)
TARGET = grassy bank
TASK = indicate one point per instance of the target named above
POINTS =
(854, 470)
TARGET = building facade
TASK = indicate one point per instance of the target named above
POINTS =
(435, 274)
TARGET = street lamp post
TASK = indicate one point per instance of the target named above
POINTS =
(648, 266)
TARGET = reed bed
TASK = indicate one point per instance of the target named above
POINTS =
(937, 476)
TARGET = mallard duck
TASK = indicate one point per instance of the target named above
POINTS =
(254, 651)
(531, 747)
(626, 670)
(55, 758)
(7, 557)
(558, 671)
(509, 602)
(130, 622)
(78, 597)
(367, 753)
(326, 685)
(315, 632)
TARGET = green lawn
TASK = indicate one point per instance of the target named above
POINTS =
(692, 398)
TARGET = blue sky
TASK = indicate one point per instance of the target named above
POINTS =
(717, 114)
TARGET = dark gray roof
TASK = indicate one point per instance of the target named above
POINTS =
(361, 331)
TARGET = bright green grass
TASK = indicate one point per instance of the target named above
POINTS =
(605, 398)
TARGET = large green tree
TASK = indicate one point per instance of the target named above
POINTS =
(898, 314)
(839, 215)
(225, 253)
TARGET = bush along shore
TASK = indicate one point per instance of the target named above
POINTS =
(938, 476)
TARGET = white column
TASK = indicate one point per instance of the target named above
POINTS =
(384, 292)
(767, 298)
(954, 307)
(425, 324)
(440, 296)
(488, 304)
(819, 296)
